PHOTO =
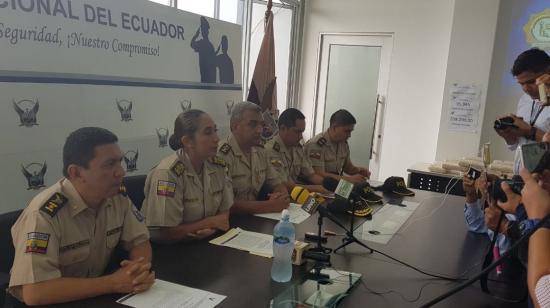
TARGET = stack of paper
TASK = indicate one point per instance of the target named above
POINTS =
(253, 242)
(297, 215)
(170, 295)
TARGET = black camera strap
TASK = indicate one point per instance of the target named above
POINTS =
(531, 119)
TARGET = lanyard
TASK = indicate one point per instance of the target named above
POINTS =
(531, 120)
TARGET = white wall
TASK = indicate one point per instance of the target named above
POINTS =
(472, 40)
(421, 46)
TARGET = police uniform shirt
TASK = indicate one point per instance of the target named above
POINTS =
(248, 172)
(175, 194)
(289, 162)
(58, 235)
(322, 153)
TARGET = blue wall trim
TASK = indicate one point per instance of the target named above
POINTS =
(121, 82)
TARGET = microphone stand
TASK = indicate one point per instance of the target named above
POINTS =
(323, 251)
(488, 269)
(350, 238)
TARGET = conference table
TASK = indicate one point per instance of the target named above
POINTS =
(437, 241)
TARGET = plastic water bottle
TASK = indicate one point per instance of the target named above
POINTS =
(283, 246)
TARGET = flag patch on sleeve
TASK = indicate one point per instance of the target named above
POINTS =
(37, 242)
(166, 188)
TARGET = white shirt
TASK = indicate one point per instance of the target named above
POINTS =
(528, 111)
(542, 291)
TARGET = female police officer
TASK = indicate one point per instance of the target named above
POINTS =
(188, 194)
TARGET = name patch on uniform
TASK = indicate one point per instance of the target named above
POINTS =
(178, 168)
(54, 204)
(315, 155)
(114, 231)
(37, 242)
(191, 200)
(74, 245)
(225, 148)
(216, 160)
(166, 188)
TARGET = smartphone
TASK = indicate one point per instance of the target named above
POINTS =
(473, 173)
(543, 97)
(534, 156)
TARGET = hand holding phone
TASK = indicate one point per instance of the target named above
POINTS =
(542, 94)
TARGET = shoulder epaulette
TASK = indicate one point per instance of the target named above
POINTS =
(276, 147)
(178, 168)
(216, 160)
(54, 204)
(122, 190)
(225, 148)
(322, 141)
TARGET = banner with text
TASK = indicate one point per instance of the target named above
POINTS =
(129, 66)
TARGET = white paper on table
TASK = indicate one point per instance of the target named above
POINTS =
(297, 215)
(387, 221)
(170, 295)
(254, 242)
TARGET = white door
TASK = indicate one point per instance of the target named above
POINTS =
(353, 73)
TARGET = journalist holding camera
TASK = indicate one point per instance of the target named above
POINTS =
(531, 119)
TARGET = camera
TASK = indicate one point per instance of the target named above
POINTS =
(496, 192)
(473, 173)
(504, 123)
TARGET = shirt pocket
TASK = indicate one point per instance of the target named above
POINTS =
(259, 176)
(74, 253)
(193, 209)
(113, 237)
(241, 183)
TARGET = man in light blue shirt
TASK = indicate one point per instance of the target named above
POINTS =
(479, 220)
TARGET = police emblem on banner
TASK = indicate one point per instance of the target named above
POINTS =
(229, 105)
(270, 126)
(34, 173)
(27, 110)
(125, 108)
(185, 104)
(162, 134)
(537, 30)
(130, 159)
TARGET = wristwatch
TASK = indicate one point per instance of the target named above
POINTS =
(532, 134)
(528, 224)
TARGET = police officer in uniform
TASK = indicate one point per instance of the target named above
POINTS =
(287, 155)
(249, 165)
(188, 194)
(65, 237)
(329, 151)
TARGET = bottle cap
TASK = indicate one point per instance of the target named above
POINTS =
(285, 214)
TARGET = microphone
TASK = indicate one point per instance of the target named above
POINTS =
(309, 201)
(342, 188)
